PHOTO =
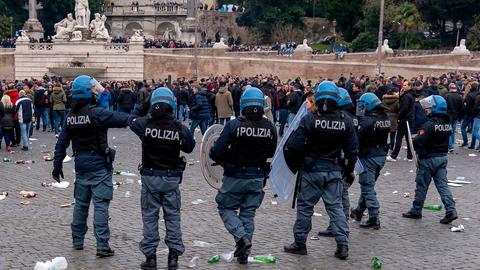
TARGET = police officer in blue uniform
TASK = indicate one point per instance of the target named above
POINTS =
(86, 127)
(318, 142)
(243, 148)
(431, 145)
(163, 137)
(373, 131)
(346, 105)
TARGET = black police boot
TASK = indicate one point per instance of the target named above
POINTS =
(242, 259)
(342, 252)
(449, 217)
(243, 245)
(372, 222)
(411, 215)
(355, 215)
(326, 233)
(150, 263)
(172, 260)
(296, 248)
(105, 253)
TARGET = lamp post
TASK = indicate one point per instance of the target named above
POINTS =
(459, 25)
(195, 74)
(380, 38)
(11, 27)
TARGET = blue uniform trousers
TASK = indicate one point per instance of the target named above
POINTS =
(328, 186)
(436, 168)
(93, 186)
(238, 199)
(368, 196)
(161, 192)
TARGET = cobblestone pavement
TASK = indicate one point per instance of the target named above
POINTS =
(40, 231)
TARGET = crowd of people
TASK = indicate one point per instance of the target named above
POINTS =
(216, 99)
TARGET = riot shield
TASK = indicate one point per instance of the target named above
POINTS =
(281, 178)
(212, 172)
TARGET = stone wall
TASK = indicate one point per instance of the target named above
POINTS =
(7, 64)
(159, 65)
(109, 61)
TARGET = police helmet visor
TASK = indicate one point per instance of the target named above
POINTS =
(361, 108)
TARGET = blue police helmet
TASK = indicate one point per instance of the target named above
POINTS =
(327, 90)
(368, 101)
(163, 95)
(345, 98)
(252, 97)
(437, 103)
(82, 87)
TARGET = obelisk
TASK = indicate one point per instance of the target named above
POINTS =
(33, 26)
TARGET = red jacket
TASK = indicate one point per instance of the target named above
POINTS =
(14, 96)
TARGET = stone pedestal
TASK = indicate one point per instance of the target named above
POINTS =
(34, 29)
(86, 34)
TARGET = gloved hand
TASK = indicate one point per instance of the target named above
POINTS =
(56, 173)
(350, 178)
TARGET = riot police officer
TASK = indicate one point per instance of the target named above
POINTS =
(163, 137)
(86, 127)
(318, 142)
(373, 131)
(243, 148)
(346, 105)
(431, 144)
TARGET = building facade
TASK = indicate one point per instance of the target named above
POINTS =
(163, 19)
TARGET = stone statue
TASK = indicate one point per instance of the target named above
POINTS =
(461, 49)
(23, 37)
(137, 36)
(386, 48)
(168, 35)
(82, 13)
(77, 36)
(220, 45)
(97, 26)
(304, 47)
(65, 27)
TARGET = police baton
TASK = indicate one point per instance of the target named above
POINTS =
(297, 188)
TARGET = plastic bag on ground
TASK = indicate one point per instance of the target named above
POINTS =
(198, 201)
(63, 184)
(59, 263)
(228, 257)
(193, 262)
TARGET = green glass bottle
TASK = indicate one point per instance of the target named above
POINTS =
(265, 259)
(433, 207)
(214, 259)
(376, 263)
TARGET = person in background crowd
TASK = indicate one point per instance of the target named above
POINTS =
(7, 122)
(406, 114)
(24, 109)
(41, 108)
(12, 92)
(281, 99)
(224, 104)
(294, 102)
(199, 110)
(126, 99)
(456, 111)
(391, 101)
(58, 100)
(469, 114)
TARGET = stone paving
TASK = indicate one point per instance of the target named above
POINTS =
(41, 230)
